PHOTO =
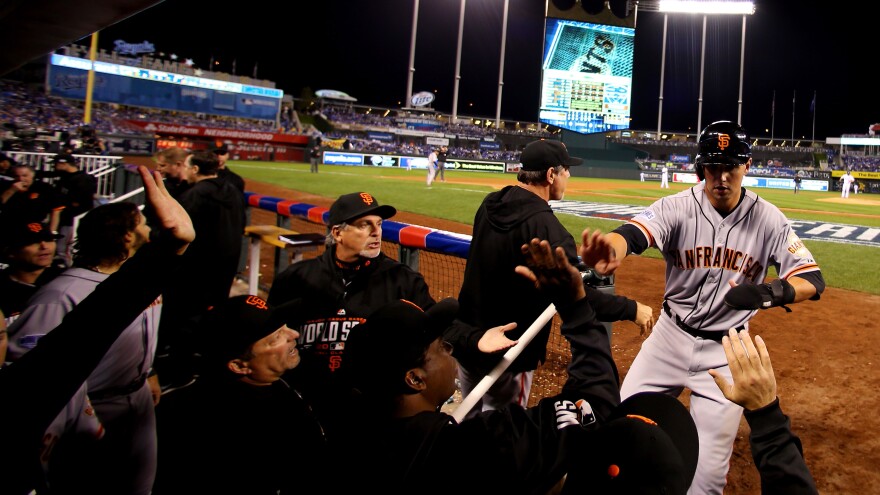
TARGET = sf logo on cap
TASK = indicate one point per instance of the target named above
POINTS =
(257, 302)
(35, 227)
(367, 198)
(723, 141)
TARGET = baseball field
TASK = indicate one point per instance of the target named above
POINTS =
(823, 352)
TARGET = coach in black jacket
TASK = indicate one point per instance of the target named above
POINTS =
(350, 280)
(493, 295)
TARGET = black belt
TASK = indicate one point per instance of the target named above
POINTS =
(108, 393)
(703, 334)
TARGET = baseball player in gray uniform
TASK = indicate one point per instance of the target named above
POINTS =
(118, 388)
(718, 240)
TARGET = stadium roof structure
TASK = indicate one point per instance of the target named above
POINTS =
(33, 28)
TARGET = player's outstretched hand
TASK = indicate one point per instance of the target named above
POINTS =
(495, 340)
(754, 385)
(173, 218)
(597, 252)
(551, 272)
(644, 318)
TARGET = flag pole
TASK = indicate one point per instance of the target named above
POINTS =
(793, 95)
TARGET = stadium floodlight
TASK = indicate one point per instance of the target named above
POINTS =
(698, 7)
(705, 8)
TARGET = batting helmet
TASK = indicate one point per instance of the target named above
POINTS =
(722, 142)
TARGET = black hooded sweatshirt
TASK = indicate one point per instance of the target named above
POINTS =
(492, 294)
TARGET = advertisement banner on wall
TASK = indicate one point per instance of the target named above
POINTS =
(435, 141)
(476, 165)
(380, 136)
(213, 132)
(414, 162)
(380, 160)
(337, 158)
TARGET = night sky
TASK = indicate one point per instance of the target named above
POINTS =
(363, 48)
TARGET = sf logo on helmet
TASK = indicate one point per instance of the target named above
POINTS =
(723, 141)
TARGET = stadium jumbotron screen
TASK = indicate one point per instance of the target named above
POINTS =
(586, 77)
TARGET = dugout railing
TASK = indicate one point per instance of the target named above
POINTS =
(103, 167)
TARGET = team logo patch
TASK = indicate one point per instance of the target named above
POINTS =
(647, 214)
(796, 246)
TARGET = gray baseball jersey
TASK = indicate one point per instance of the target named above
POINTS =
(76, 424)
(117, 387)
(703, 252)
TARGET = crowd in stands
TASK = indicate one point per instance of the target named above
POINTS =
(861, 163)
(362, 144)
(28, 108)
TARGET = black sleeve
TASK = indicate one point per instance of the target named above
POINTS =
(464, 339)
(636, 242)
(818, 281)
(592, 373)
(778, 453)
(611, 307)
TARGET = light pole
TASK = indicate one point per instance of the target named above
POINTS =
(412, 55)
(458, 64)
(706, 8)
(662, 71)
(702, 70)
(742, 68)
(501, 69)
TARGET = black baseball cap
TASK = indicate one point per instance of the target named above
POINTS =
(648, 446)
(352, 206)
(221, 150)
(64, 158)
(24, 234)
(393, 340)
(544, 154)
(235, 324)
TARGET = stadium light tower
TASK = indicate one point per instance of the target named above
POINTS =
(501, 69)
(706, 8)
(458, 64)
(412, 55)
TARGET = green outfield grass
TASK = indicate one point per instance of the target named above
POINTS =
(843, 265)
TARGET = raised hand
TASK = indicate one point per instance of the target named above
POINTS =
(174, 220)
(597, 252)
(754, 385)
(495, 340)
(551, 272)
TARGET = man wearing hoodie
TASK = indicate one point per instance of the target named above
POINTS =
(492, 294)
(216, 210)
